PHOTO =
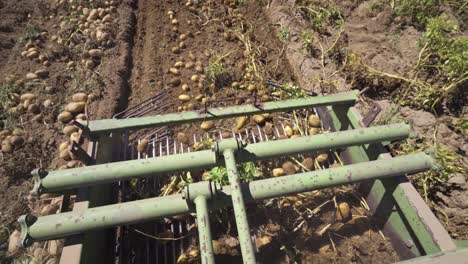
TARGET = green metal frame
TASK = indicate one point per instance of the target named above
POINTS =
(106, 126)
(362, 145)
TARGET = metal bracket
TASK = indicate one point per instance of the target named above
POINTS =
(38, 174)
(81, 154)
(371, 115)
(257, 103)
(25, 221)
(207, 189)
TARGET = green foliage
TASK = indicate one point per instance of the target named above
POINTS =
(6, 93)
(321, 14)
(32, 32)
(216, 73)
(308, 42)
(417, 11)
(446, 53)
(293, 91)
(430, 180)
(247, 171)
(284, 35)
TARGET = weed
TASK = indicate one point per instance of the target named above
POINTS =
(21, 260)
(290, 91)
(32, 32)
(430, 180)
(6, 95)
(321, 14)
(417, 11)
(217, 74)
(247, 172)
(308, 42)
(376, 6)
(284, 34)
(442, 51)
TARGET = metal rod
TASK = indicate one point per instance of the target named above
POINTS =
(96, 127)
(117, 171)
(70, 223)
(204, 231)
(238, 204)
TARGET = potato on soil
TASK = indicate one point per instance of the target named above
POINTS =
(64, 145)
(7, 147)
(175, 81)
(75, 137)
(13, 245)
(184, 97)
(27, 96)
(314, 131)
(289, 131)
(75, 107)
(343, 213)
(289, 168)
(143, 145)
(68, 130)
(262, 241)
(79, 97)
(65, 116)
(207, 125)
(50, 209)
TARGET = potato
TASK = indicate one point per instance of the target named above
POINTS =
(65, 155)
(174, 71)
(55, 247)
(183, 138)
(13, 246)
(262, 241)
(79, 97)
(314, 120)
(240, 122)
(343, 213)
(321, 158)
(278, 172)
(174, 21)
(49, 209)
(308, 163)
(68, 130)
(42, 73)
(288, 168)
(184, 97)
(65, 116)
(259, 119)
(289, 131)
(183, 37)
(95, 53)
(64, 146)
(47, 103)
(314, 131)
(182, 45)
(27, 96)
(195, 78)
(75, 107)
(71, 64)
(189, 65)
(34, 108)
(7, 147)
(199, 69)
(175, 81)
(185, 87)
(207, 125)
(75, 137)
(72, 163)
(143, 145)
(31, 76)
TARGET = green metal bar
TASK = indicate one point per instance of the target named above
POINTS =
(204, 231)
(79, 177)
(238, 204)
(114, 125)
(70, 223)
(417, 217)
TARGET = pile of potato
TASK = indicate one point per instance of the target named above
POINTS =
(74, 110)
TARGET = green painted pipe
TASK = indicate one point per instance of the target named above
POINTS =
(107, 126)
(238, 204)
(54, 181)
(204, 231)
(70, 223)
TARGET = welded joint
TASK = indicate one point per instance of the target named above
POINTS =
(38, 174)
(233, 144)
(25, 221)
(207, 189)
